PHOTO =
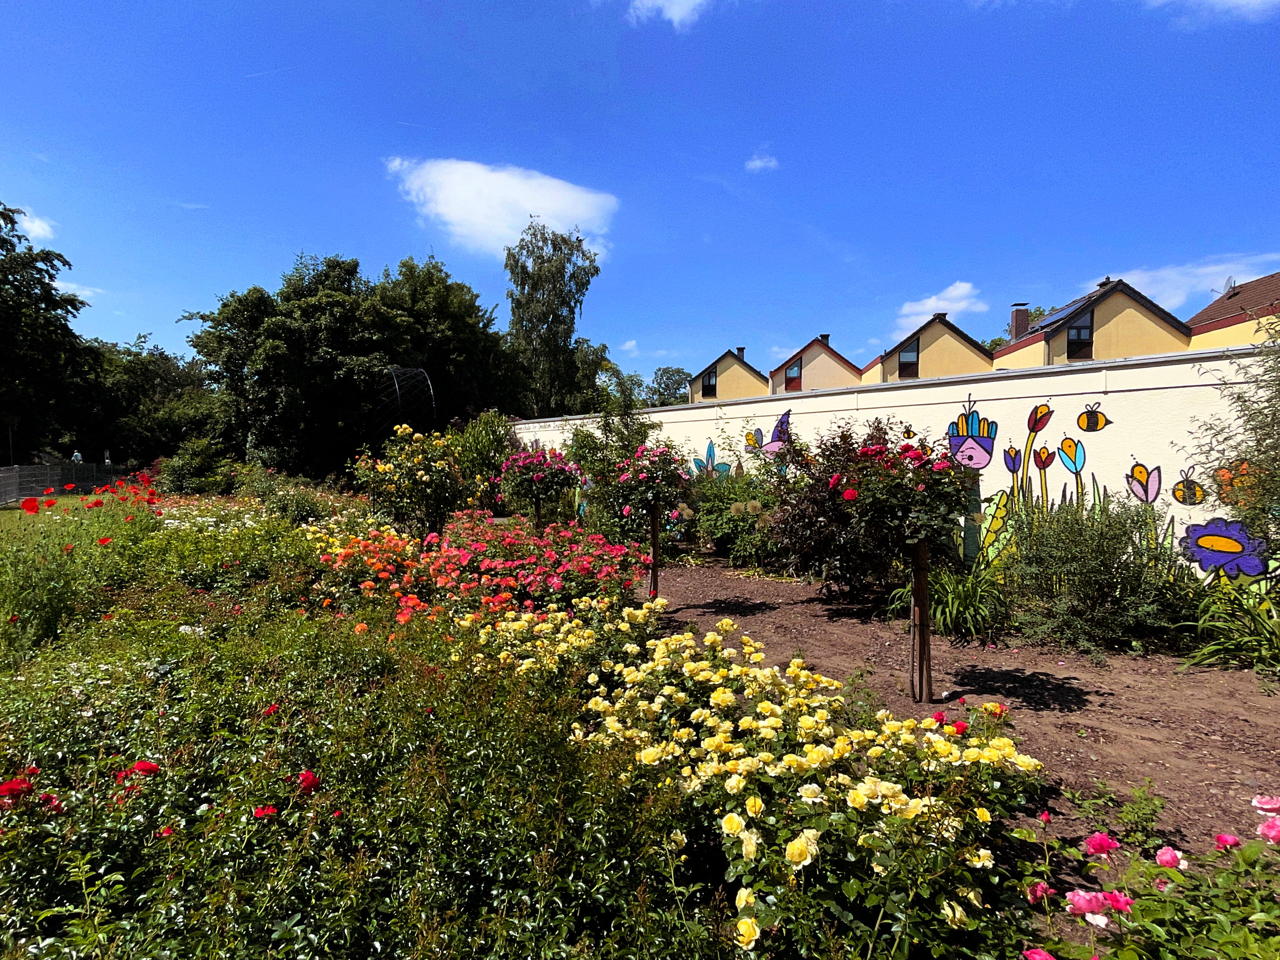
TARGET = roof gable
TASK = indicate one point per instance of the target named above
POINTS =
(938, 318)
(732, 355)
(1055, 321)
(1262, 294)
(825, 347)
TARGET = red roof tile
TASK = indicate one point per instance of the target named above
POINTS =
(1259, 297)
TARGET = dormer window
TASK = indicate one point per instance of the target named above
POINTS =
(792, 378)
(709, 383)
(909, 361)
(1080, 337)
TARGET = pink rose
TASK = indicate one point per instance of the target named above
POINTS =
(1267, 806)
(1081, 902)
(1169, 857)
(626, 511)
(1118, 900)
(1038, 954)
(1269, 829)
(1038, 891)
(675, 514)
(1226, 840)
(1100, 844)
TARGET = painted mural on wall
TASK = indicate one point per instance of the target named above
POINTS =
(709, 466)
(777, 440)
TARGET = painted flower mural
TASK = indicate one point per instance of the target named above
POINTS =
(972, 438)
(1224, 545)
(1143, 483)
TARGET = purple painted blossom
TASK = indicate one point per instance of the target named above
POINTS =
(1224, 545)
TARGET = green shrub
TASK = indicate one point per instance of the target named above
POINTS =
(732, 514)
(199, 465)
(416, 480)
(964, 604)
(1102, 575)
(1238, 625)
(483, 445)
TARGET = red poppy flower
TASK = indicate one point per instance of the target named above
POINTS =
(267, 811)
(308, 782)
(31, 505)
(48, 490)
(50, 503)
(103, 541)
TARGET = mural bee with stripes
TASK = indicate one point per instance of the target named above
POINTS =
(1091, 419)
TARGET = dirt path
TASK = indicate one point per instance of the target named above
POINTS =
(1209, 739)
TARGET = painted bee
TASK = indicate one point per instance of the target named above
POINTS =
(908, 434)
(1188, 490)
(1092, 419)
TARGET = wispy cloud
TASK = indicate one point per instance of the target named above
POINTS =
(760, 162)
(781, 353)
(485, 208)
(1244, 9)
(80, 290)
(185, 205)
(1174, 285)
(36, 228)
(680, 13)
(630, 348)
(960, 297)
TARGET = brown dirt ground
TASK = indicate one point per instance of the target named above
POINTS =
(1209, 739)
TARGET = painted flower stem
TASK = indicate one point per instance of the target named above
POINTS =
(1026, 457)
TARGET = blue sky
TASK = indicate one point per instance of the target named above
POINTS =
(755, 172)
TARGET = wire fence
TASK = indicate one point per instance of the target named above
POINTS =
(19, 482)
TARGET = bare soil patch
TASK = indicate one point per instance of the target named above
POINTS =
(1209, 739)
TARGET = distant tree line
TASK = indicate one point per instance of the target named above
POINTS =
(301, 378)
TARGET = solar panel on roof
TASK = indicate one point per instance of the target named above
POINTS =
(1060, 313)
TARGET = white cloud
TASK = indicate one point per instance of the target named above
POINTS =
(680, 13)
(761, 162)
(485, 208)
(36, 228)
(1174, 285)
(782, 353)
(1245, 9)
(80, 290)
(629, 348)
(191, 206)
(960, 297)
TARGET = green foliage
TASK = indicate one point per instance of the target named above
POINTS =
(732, 514)
(1134, 820)
(965, 604)
(851, 511)
(483, 445)
(668, 386)
(199, 465)
(1100, 575)
(1238, 625)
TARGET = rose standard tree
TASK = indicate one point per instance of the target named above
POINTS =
(538, 477)
(652, 480)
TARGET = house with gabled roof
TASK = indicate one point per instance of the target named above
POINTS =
(1112, 321)
(937, 348)
(1238, 317)
(815, 366)
(728, 377)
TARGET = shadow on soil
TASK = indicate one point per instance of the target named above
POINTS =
(1034, 690)
(723, 607)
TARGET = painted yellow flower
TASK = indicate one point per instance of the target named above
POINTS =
(748, 932)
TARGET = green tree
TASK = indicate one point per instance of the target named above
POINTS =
(668, 387)
(550, 273)
(41, 353)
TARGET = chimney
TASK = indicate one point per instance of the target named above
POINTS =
(939, 316)
(1019, 320)
(742, 353)
(1105, 282)
(825, 338)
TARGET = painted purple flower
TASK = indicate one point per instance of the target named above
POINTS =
(1013, 459)
(973, 452)
(1224, 545)
(1143, 483)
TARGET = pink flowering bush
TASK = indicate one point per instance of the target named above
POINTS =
(537, 479)
(1219, 900)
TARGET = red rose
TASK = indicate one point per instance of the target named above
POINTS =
(940, 716)
(103, 541)
(850, 494)
(961, 727)
(16, 788)
(267, 811)
(271, 710)
(145, 768)
(308, 781)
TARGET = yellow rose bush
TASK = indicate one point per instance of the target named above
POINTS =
(417, 481)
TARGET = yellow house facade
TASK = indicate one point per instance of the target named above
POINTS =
(937, 348)
(1110, 322)
(815, 366)
(728, 377)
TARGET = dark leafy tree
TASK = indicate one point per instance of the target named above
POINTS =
(669, 386)
(550, 273)
(41, 354)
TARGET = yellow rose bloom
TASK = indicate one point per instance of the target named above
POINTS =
(754, 806)
(801, 851)
(750, 844)
(983, 814)
(982, 859)
(745, 898)
(732, 824)
(954, 914)
(748, 932)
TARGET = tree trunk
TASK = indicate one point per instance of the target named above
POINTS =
(537, 515)
(921, 679)
(655, 531)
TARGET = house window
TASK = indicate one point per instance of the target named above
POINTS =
(909, 361)
(792, 377)
(709, 383)
(1080, 337)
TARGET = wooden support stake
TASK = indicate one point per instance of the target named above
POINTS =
(655, 531)
(921, 676)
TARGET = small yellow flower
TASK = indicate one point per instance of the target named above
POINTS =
(982, 859)
(801, 851)
(983, 814)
